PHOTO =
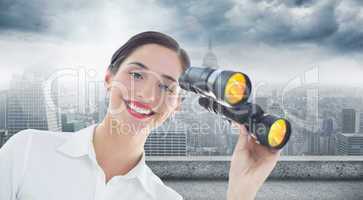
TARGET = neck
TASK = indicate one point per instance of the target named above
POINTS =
(115, 151)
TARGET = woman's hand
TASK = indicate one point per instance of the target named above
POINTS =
(250, 166)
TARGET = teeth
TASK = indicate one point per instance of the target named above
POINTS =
(139, 110)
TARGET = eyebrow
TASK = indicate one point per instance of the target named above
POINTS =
(145, 67)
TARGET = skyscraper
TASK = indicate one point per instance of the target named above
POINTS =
(313, 143)
(210, 59)
(3, 118)
(327, 145)
(349, 144)
(219, 138)
(3, 109)
(348, 121)
(327, 137)
(327, 127)
(169, 139)
(31, 105)
(103, 100)
(360, 122)
(166, 143)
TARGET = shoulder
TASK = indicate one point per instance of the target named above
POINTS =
(17, 150)
(17, 140)
(15, 147)
(38, 134)
(29, 138)
(24, 149)
(158, 189)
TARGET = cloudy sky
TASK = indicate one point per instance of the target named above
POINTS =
(271, 40)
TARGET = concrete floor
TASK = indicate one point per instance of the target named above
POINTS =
(273, 189)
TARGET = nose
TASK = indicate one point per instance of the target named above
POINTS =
(147, 92)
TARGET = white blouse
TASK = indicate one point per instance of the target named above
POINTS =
(44, 165)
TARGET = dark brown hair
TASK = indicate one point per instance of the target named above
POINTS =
(148, 37)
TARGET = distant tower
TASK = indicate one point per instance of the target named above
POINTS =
(210, 59)
(349, 120)
(3, 119)
(359, 122)
(3, 109)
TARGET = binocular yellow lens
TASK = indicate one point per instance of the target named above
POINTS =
(277, 133)
(235, 89)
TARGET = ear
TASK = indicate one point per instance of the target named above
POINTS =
(108, 79)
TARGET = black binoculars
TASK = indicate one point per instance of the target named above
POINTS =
(226, 92)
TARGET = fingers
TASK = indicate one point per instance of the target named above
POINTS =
(255, 145)
(242, 139)
(247, 142)
(264, 152)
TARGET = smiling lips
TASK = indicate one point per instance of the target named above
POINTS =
(138, 109)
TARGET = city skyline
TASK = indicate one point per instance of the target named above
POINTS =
(320, 140)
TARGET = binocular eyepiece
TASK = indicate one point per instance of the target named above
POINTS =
(226, 93)
(227, 87)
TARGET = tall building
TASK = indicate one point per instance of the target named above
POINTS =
(210, 59)
(170, 139)
(31, 104)
(348, 121)
(82, 91)
(327, 145)
(327, 127)
(3, 109)
(207, 132)
(3, 118)
(349, 144)
(103, 100)
(360, 122)
(312, 110)
(313, 143)
(298, 140)
(166, 143)
(327, 137)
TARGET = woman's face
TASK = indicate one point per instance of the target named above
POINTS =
(144, 92)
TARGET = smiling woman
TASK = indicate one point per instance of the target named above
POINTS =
(107, 160)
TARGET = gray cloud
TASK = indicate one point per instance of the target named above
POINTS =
(298, 2)
(22, 16)
(258, 36)
(38, 16)
(198, 19)
(329, 23)
(332, 24)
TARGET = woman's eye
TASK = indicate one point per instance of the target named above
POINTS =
(136, 75)
(165, 88)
